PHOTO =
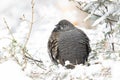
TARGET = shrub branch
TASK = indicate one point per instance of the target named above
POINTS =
(31, 24)
(8, 28)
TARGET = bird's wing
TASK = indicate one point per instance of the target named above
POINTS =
(53, 46)
(84, 35)
(85, 40)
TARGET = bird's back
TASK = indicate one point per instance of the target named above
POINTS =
(72, 46)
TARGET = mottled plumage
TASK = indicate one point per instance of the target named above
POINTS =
(68, 43)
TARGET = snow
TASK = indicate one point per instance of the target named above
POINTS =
(47, 15)
(115, 71)
(9, 70)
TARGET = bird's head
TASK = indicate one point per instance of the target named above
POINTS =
(64, 25)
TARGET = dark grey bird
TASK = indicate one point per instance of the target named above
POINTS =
(68, 43)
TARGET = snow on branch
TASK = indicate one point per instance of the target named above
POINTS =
(103, 12)
(103, 9)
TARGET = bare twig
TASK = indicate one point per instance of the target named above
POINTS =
(13, 40)
(31, 24)
(28, 36)
(25, 53)
(33, 59)
(8, 28)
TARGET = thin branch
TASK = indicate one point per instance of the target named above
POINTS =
(33, 59)
(8, 28)
(31, 24)
(28, 36)
(97, 15)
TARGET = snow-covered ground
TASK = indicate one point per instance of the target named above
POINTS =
(9, 70)
(47, 13)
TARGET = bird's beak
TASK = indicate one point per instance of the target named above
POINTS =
(55, 30)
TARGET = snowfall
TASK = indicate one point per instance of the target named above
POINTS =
(47, 13)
